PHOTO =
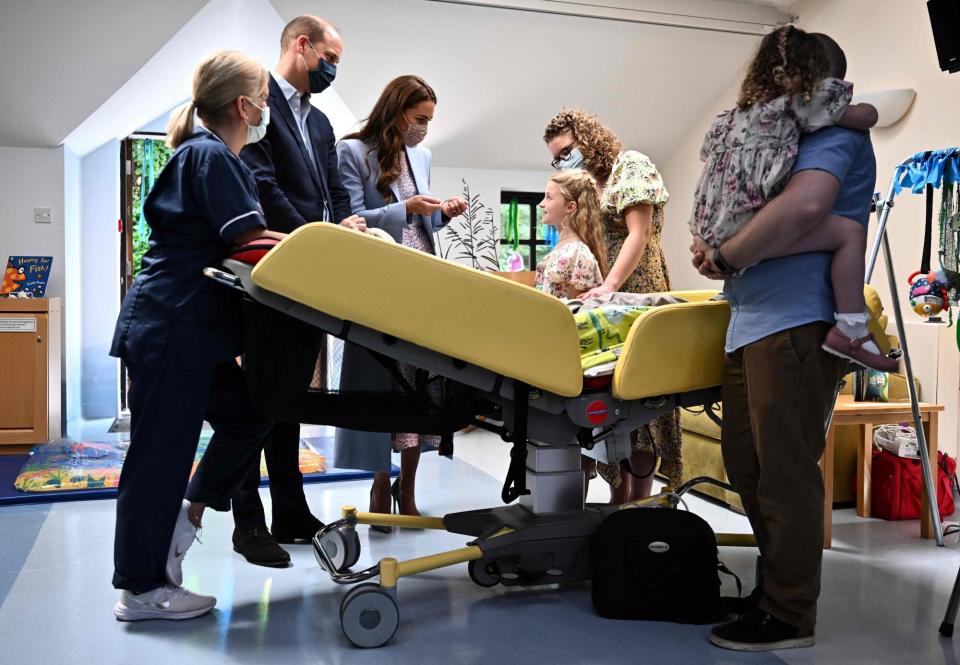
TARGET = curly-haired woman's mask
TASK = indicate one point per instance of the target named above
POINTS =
(573, 160)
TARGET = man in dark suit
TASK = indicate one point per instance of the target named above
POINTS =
(295, 166)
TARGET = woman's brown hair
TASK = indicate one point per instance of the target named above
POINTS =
(788, 62)
(380, 130)
(580, 187)
(599, 145)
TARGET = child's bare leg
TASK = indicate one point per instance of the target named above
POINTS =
(847, 240)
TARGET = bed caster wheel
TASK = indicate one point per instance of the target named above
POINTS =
(342, 547)
(369, 616)
(484, 572)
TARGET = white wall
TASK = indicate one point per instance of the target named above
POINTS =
(100, 278)
(73, 290)
(488, 183)
(34, 178)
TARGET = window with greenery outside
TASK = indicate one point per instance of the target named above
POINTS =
(149, 158)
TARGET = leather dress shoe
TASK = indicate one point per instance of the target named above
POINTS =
(302, 531)
(259, 547)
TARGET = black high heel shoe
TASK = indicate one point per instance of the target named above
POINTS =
(376, 527)
(395, 493)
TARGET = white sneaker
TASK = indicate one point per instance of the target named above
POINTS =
(166, 602)
(184, 533)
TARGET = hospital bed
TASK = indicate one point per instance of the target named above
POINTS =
(510, 355)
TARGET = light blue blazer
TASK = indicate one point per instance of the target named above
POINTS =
(359, 172)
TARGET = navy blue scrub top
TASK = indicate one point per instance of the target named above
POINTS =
(203, 199)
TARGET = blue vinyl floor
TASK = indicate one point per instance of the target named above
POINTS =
(884, 593)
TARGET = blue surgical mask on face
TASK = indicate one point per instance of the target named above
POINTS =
(321, 77)
(573, 161)
(258, 131)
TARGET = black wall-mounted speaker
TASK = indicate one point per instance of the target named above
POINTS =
(945, 20)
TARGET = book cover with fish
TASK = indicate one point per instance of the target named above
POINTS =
(26, 276)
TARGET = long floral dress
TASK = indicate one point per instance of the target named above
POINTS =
(571, 264)
(634, 180)
(749, 153)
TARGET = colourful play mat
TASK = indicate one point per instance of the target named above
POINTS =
(64, 470)
(77, 465)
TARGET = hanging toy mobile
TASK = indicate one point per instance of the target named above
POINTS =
(930, 290)
(928, 294)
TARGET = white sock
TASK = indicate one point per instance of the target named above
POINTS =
(854, 326)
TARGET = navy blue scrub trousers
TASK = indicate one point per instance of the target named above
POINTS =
(168, 405)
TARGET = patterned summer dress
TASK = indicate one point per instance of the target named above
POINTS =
(571, 264)
(748, 155)
(634, 180)
(414, 236)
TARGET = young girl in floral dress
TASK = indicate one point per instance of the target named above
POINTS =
(578, 262)
(749, 153)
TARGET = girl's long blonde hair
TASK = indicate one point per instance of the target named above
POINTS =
(218, 80)
(580, 187)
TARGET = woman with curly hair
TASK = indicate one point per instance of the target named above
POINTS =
(749, 152)
(632, 198)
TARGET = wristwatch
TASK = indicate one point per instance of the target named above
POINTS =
(722, 265)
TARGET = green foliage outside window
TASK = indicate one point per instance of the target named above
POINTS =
(157, 153)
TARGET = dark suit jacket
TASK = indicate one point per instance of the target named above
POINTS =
(291, 190)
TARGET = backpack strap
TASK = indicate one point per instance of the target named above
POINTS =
(722, 567)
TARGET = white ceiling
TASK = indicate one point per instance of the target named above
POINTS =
(500, 74)
(60, 60)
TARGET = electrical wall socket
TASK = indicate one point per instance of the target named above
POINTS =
(41, 215)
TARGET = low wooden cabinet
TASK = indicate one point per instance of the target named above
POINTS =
(29, 371)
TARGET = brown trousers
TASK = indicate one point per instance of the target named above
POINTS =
(777, 394)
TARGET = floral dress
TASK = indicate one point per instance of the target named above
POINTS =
(634, 180)
(571, 264)
(414, 236)
(748, 155)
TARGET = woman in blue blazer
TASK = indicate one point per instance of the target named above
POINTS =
(387, 176)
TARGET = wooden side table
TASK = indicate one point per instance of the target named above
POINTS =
(865, 415)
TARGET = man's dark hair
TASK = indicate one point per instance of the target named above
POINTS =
(835, 55)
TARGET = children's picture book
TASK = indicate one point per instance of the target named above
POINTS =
(26, 276)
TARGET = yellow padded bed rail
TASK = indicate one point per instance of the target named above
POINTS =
(678, 348)
(475, 317)
(674, 348)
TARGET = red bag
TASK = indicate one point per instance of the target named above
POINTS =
(898, 486)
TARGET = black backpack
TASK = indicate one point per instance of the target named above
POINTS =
(656, 564)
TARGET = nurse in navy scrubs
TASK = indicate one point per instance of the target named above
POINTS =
(179, 334)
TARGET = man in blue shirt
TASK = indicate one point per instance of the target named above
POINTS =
(779, 385)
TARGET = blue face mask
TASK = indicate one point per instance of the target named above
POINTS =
(322, 76)
(573, 161)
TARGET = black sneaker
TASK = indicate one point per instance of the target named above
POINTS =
(760, 631)
(259, 547)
